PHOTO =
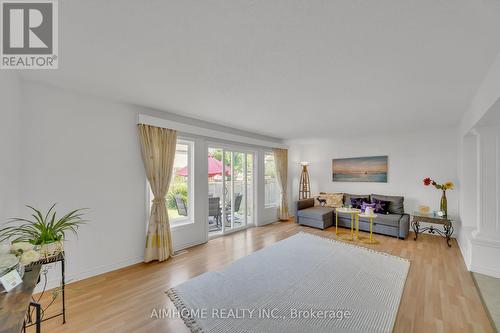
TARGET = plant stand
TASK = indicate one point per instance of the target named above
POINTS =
(42, 308)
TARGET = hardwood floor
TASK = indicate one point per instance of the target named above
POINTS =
(439, 295)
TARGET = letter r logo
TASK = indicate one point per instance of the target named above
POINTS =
(27, 28)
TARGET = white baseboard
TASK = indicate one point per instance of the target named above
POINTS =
(484, 257)
(261, 224)
(184, 246)
(485, 270)
(55, 278)
(465, 246)
(480, 255)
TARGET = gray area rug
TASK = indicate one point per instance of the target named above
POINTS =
(304, 283)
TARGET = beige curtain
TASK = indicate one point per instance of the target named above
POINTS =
(281, 162)
(158, 152)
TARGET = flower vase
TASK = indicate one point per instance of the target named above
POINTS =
(444, 205)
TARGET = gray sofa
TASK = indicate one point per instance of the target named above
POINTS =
(396, 223)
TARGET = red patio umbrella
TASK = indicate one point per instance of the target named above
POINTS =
(214, 168)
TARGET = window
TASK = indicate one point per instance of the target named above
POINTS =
(179, 203)
(272, 192)
(179, 195)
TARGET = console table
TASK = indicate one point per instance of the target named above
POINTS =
(445, 222)
(19, 309)
(15, 304)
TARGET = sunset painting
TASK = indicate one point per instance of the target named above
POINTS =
(360, 169)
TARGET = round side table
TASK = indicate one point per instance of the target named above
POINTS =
(354, 221)
(369, 240)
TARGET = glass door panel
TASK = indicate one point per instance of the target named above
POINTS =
(230, 187)
(215, 191)
(228, 191)
(239, 197)
(249, 189)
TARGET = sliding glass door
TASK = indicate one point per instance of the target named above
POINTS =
(230, 189)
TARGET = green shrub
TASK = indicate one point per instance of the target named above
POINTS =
(178, 187)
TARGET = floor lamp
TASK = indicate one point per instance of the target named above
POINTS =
(304, 186)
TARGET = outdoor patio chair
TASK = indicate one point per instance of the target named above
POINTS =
(237, 204)
(181, 205)
(214, 210)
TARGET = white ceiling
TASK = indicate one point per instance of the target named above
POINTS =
(284, 68)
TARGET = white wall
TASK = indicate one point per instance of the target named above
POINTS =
(9, 145)
(83, 151)
(480, 177)
(412, 157)
(468, 179)
(479, 208)
(80, 152)
(488, 93)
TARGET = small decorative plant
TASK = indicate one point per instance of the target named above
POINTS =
(443, 187)
(42, 232)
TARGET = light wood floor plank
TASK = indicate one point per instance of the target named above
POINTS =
(439, 295)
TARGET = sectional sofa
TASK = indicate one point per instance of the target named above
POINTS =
(395, 223)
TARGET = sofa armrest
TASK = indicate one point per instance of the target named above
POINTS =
(305, 203)
(404, 226)
(302, 204)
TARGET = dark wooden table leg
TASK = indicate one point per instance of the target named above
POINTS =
(415, 228)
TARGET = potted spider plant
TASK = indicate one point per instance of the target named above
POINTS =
(42, 232)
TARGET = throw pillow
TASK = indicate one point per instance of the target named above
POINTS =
(348, 197)
(396, 203)
(320, 199)
(381, 206)
(357, 202)
(364, 205)
(334, 200)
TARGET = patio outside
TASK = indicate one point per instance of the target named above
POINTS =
(178, 194)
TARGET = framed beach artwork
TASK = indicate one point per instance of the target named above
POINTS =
(360, 169)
